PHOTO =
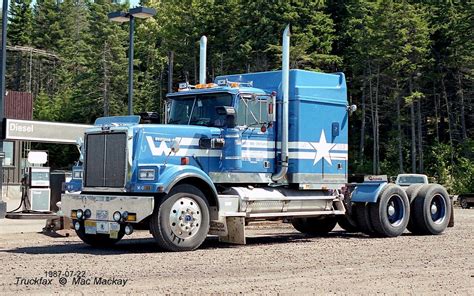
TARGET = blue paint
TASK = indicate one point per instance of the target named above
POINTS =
(318, 134)
(232, 151)
(367, 191)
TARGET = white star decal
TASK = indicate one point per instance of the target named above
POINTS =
(322, 149)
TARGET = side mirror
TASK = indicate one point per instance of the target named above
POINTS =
(149, 117)
(229, 113)
(352, 109)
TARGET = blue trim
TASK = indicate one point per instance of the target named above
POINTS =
(367, 192)
(172, 174)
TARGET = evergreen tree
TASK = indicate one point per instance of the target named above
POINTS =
(20, 21)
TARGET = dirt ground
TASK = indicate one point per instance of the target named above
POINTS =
(275, 259)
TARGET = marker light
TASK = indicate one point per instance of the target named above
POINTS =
(128, 229)
(117, 216)
(184, 160)
(222, 82)
(79, 214)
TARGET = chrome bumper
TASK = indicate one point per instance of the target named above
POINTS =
(103, 206)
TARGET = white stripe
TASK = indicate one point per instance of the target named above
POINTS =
(258, 144)
(247, 154)
(307, 145)
(312, 155)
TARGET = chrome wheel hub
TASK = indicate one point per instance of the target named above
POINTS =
(185, 217)
(391, 210)
(434, 209)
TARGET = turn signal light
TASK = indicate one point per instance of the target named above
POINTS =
(184, 160)
(132, 217)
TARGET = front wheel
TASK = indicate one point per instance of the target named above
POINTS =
(181, 221)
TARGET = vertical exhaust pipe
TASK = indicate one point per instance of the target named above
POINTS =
(202, 59)
(285, 80)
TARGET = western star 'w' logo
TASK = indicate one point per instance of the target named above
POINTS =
(163, 149)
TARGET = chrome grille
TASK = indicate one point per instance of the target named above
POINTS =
(106, 159)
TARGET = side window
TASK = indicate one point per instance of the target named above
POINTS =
(9, 156)
(252, 110)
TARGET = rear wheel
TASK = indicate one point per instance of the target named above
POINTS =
(464, 204)
(390, 215)
(347, 223)
(181, 221)
(98, 240)
(411, 192)
(314, 225)
(432, 210)
(362, 218)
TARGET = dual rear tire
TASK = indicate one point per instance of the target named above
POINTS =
(315, 225)
(388, 217)
(422, 209)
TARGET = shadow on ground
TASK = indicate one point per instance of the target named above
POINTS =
(147, 245)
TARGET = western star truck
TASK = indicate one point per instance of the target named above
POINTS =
(253, 146)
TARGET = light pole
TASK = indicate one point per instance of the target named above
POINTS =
(3, 60)
(122, 17)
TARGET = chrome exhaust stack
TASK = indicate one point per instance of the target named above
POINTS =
(202, 59)
(285, 80)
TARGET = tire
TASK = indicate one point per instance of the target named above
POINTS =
(362, 218)
(180, 222)
(464, 204)
(431, 210)
(391, 213)
(411, 192)
(98, 240)
(314, 225)
(348, 223)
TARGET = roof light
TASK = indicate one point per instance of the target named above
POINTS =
(222, 82)
(234, 84)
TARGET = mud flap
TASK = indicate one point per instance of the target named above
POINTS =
(451, 218)
(236, 231)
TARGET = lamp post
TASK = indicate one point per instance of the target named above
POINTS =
(3, 60)
(122, 17)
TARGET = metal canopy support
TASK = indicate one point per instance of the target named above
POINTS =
(3, 59)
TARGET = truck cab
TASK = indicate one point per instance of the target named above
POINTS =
(406, 180)
(252, 146)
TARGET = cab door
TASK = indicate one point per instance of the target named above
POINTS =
(258, 136)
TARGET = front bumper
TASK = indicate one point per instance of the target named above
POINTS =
(102, 207)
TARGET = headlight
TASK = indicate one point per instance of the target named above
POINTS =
(77, 174)
(117, 216)
(146, 174)
(79, 214)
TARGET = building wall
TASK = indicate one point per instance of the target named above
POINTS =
(17, 105)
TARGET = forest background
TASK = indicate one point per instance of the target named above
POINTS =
(408, 64)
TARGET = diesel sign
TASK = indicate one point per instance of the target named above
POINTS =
(43, 131)
(15, 127)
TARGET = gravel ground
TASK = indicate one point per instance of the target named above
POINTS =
(275, 259)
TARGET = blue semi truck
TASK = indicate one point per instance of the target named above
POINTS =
(251, 146)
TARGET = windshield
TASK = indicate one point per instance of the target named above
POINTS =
(199, 109)
(410, 180)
